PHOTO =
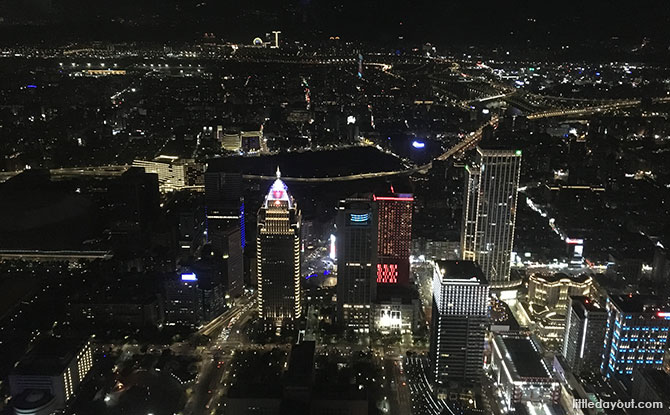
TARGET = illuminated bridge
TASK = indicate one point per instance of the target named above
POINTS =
(614, 105)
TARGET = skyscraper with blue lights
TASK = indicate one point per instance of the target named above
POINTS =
(636, 334)
(356, 248)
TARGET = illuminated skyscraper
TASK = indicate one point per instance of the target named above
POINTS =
(585, 323)
(489, 211)
(278, 256)
(636, 335)
(394, 237)
(356, 248)
(458, 321)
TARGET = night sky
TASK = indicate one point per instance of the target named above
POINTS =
(517, 23)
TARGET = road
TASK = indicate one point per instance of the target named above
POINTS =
(396, 387)
(112, 170)
(423, 400)
(226, 317)
(492, 396)
(227, 335)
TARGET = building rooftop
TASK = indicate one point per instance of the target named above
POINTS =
(553, 278)
(50, 356)
(460, 270)
(639, 303)
(524, 356)
(362, 201)
(498, 148)
(587, 303)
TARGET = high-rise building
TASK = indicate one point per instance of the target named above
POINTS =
(636, 334)
(585, 324)
(224, 204)
(192, 299)
(356, 248)
(136, 197)
(489, 211)
(278, 256)
(231, 252)
(458, 322)
(394, 237)
(190, 230)
(225, 224)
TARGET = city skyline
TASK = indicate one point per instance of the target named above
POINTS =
(313, 207)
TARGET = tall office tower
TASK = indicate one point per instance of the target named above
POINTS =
(394, 237)
(356, 248)
(136, 197)
(458, 322)
(190, 299)
(225, 224)
(585, 324)
(636, 335)
(489, 211)
(278, 256)
(224, 203)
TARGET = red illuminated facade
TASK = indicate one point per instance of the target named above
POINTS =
(387, 273)
(394, 238)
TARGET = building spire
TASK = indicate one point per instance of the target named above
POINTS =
(278, 173)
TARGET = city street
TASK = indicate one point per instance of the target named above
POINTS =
(423, 400)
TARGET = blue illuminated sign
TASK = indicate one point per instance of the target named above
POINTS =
(418, 144)
(189, 277)
(358, 218)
